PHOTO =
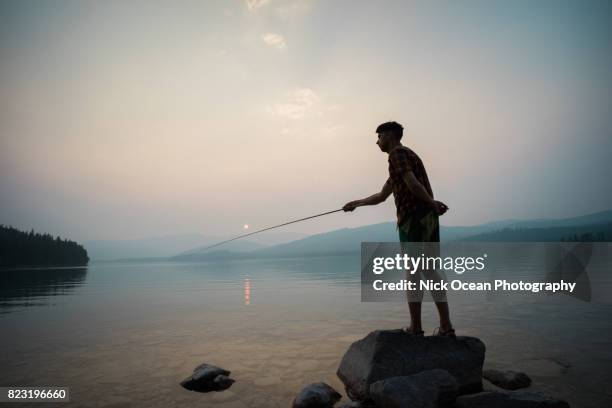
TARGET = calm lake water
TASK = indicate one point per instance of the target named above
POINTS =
(125, 335)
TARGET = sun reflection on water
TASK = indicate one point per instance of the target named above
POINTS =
(247, 291)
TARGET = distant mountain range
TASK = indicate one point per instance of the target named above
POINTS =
(170, 245)
(589, 232)
(348, 240)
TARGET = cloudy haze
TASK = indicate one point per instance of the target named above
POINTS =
(132, 119)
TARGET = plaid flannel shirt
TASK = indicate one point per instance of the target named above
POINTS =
(401, 161)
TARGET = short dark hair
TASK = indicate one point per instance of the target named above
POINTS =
(391, 127)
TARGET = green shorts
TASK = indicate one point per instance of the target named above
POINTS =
(420, 226)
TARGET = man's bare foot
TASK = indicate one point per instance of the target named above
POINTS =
(414, 332)
(444, 332)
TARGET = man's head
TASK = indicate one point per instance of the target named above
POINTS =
(389, 135)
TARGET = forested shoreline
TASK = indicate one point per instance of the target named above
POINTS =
(20, 248)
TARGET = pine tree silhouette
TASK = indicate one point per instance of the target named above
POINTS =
(19, 248)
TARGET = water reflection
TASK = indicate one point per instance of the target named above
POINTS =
(159, 320)
(33, 287)
(247, 291)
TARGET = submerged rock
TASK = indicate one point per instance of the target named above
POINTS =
(427, 389)
(509, 399)
(208, 377)
(384, 354)
(547, 366)
(316, 395)
(507, 379)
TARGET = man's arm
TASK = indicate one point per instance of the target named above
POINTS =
(374, 199)
(421, 193)
(399, 160)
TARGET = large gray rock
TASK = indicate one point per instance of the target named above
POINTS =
(316, 395)
(507, 379)
(356, 404)
(207, 377)
(394, 353)
(427, 389)
(509, 399)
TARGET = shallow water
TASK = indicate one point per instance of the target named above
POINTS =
(125, 335)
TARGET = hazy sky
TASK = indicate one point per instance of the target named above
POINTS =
(131, 119)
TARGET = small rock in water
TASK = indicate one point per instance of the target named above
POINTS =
(316, 395)
(511, 399)
(508, 379)
(223, 382)
(208, 377)
(427, 389)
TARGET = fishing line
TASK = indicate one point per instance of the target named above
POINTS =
(268, 228)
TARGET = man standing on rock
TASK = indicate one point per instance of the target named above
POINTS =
(417, 211)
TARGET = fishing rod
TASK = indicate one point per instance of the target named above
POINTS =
(268, 228)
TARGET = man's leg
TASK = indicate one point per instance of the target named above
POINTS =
(426, 229)
(415, 317)
(443, 311)
(439, 296)
(413, 297)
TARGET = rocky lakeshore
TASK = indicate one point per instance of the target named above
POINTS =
(394, 369)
